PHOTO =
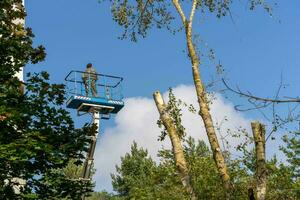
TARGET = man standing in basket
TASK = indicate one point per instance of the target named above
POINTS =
(89, 78)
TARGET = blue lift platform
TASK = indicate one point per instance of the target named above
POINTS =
(108, 99)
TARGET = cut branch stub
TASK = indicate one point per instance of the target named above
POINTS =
(258, 130)
(176, 144)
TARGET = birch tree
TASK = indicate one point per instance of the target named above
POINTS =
(178, 153)
(139, 16)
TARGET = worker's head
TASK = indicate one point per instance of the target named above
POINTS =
(89, 65)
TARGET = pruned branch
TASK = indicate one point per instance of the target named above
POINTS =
(259, 132)
(181, 164)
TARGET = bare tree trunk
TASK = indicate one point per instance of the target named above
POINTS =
(202, 99)
(206, 116)
(176, 145)
(258, 130)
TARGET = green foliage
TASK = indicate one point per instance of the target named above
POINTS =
(281, 181)
(56, 185)
(175, 112)
(16, 42)
(139, 16)
(202, 170)
(292, 151)
(102, 196)
(66, 183)
(37, 135)
(139, 177)
(174, 109)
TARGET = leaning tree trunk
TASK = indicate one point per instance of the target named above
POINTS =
(258, 130)
(202, 99)
(176, 145)
(206, 117)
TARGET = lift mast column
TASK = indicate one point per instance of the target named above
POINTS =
(86, 173)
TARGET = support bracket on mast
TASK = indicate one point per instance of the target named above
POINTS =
(85, 108)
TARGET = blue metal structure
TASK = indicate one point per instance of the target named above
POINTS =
(109, 98)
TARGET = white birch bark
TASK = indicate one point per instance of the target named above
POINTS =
(180, 161)
(258, 130)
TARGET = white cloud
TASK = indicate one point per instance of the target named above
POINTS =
(137, 122)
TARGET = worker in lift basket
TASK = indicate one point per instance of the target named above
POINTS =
(89, 78)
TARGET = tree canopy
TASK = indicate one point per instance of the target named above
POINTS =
(37, 135)
(138, 17)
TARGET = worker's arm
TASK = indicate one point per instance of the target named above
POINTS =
(95, 74)
(84, 76)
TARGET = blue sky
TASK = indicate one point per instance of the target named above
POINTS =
(254, 48)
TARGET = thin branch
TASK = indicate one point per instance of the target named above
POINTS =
(179, 10)
(194, 6)
(259, 108)
(140, 16)
(239, 92)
